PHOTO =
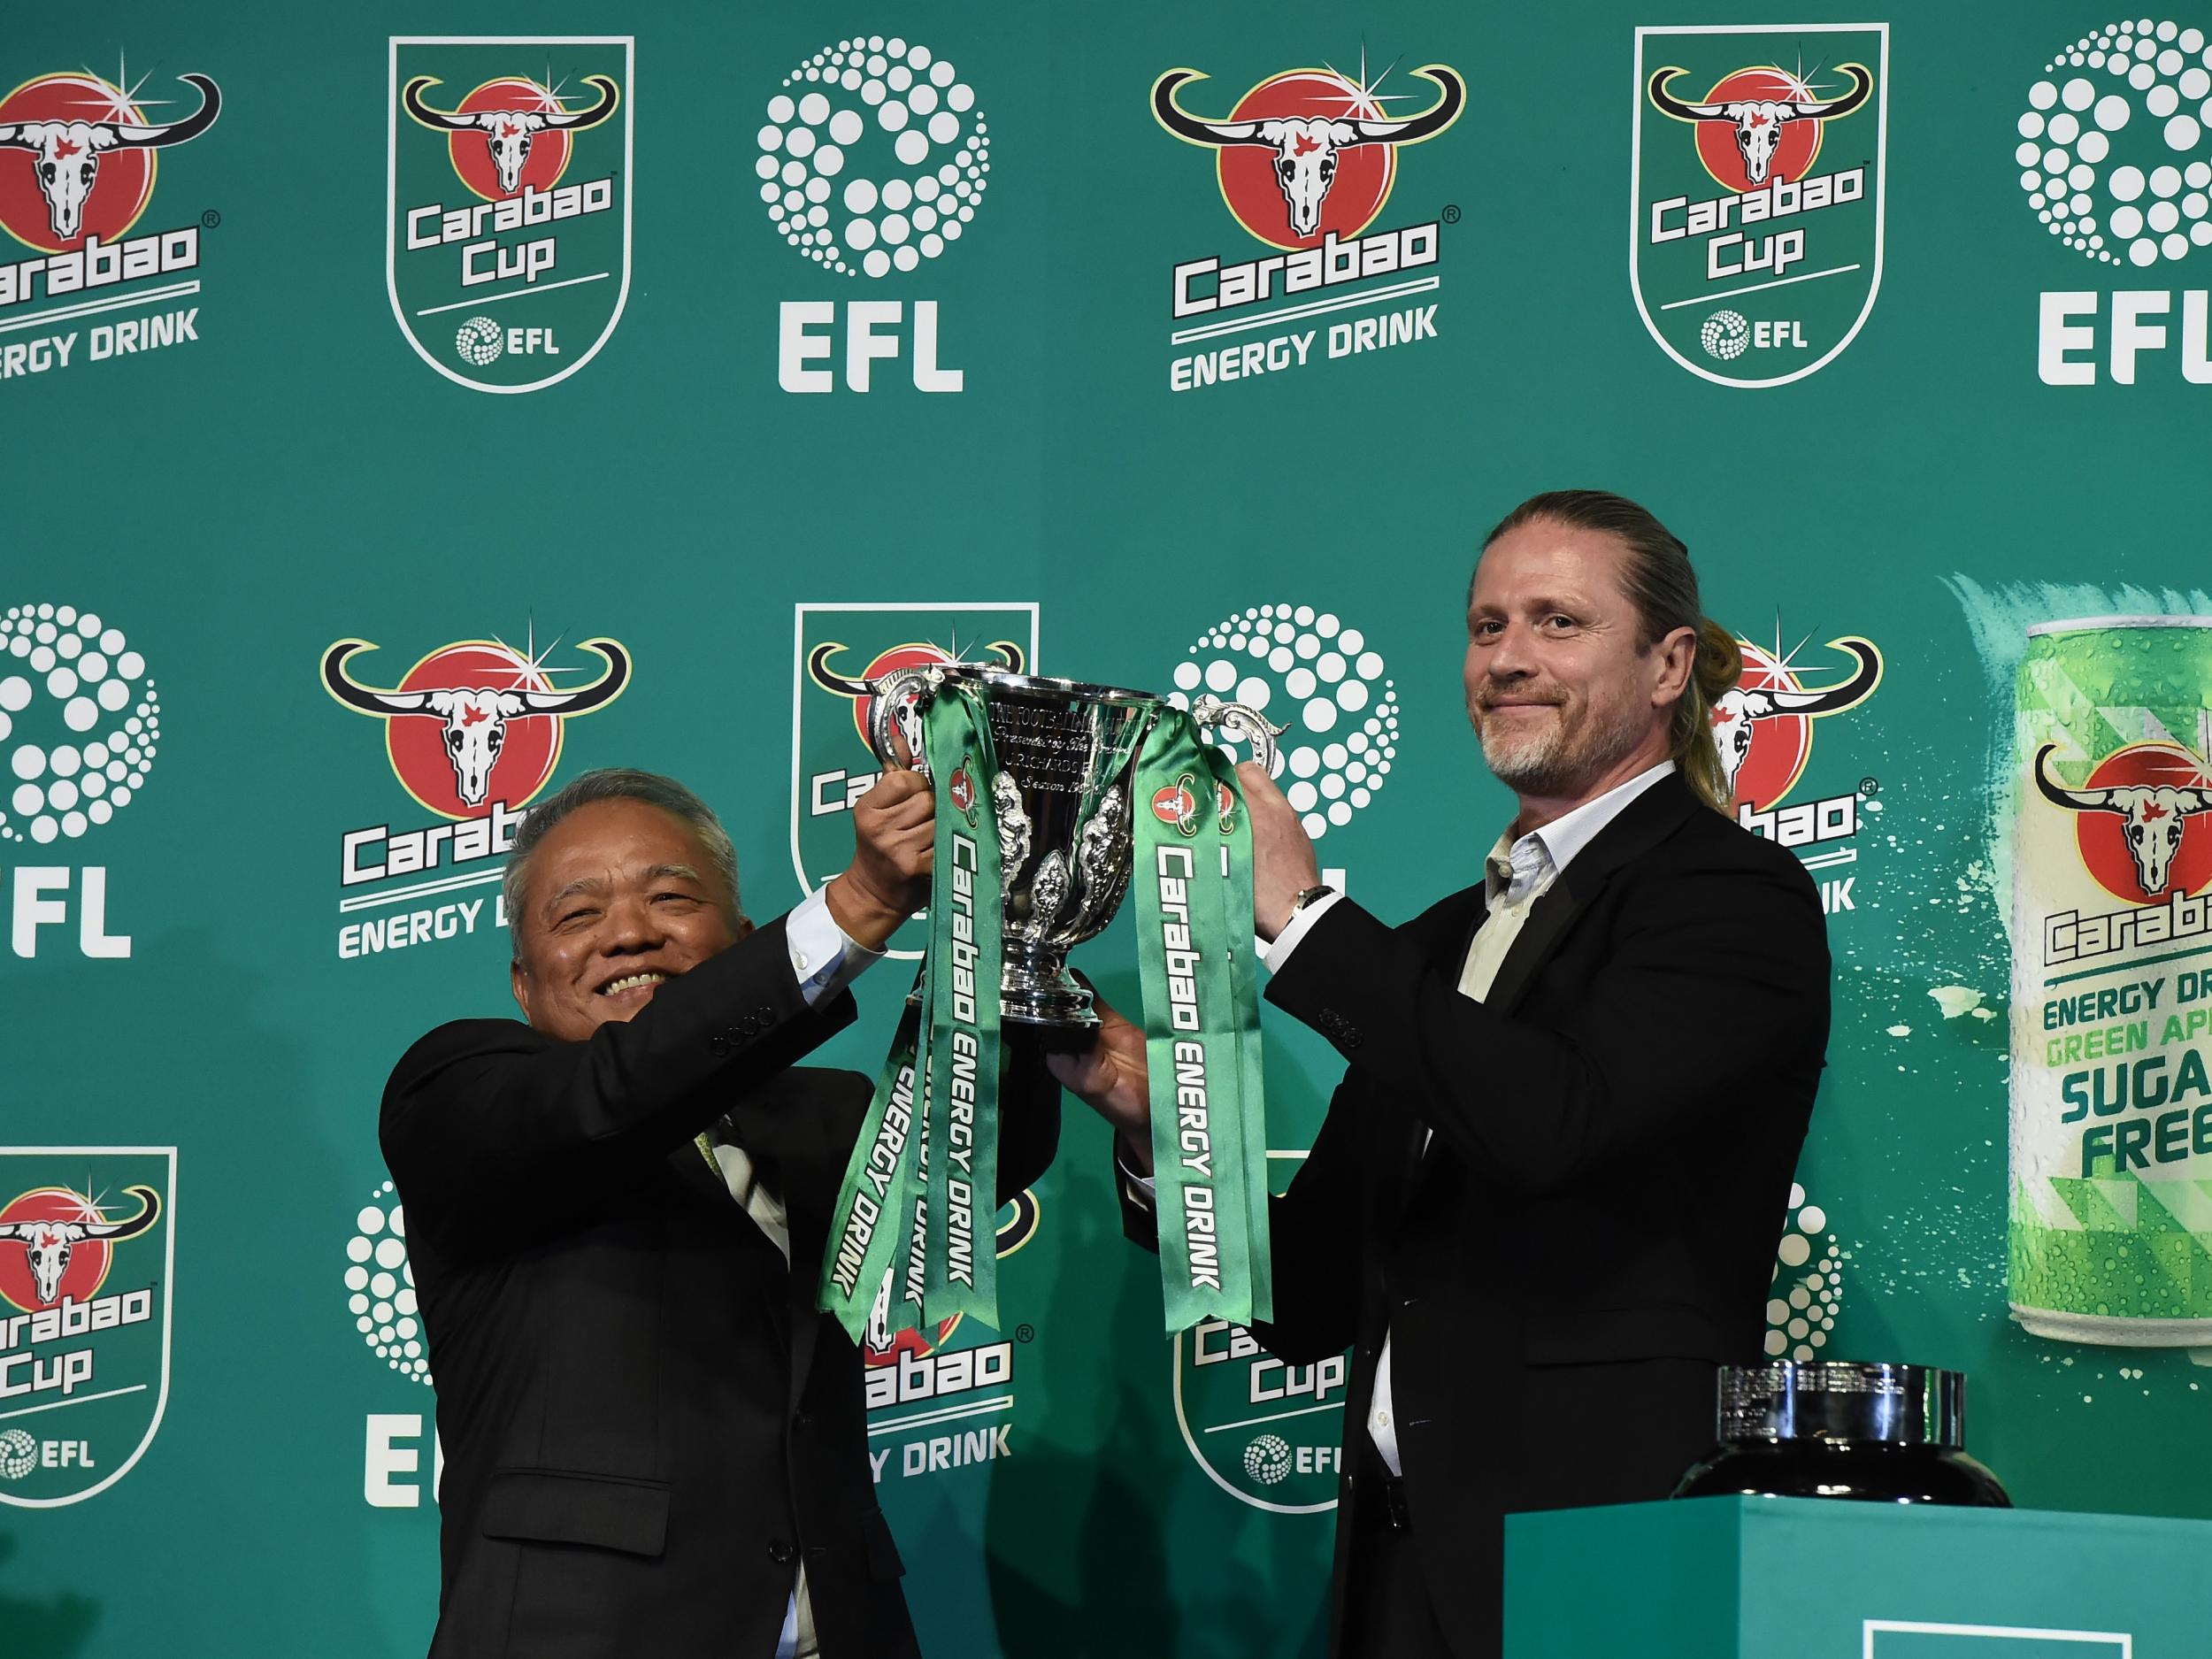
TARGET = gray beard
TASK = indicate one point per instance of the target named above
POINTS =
(1555, 764)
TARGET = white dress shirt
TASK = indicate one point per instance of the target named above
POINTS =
(824, 960)
(1515, 874)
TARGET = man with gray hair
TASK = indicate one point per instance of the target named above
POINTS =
(616, 1215)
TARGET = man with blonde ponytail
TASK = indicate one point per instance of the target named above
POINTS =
(1544, 1204)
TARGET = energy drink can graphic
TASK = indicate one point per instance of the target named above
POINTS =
(2110, 1234)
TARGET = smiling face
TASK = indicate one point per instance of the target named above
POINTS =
(1564, 699)
(621, 897)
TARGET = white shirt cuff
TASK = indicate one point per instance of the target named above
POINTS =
(823, 958)
(1277, 954)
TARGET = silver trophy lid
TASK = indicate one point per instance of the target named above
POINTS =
(1001, 679)
(1833, 1400)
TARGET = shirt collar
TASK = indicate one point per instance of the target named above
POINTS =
(1551, 849)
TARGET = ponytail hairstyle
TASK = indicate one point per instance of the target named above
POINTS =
(1656, 576)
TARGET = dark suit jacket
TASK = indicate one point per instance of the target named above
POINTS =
(645, 1421)
(1594, 1227)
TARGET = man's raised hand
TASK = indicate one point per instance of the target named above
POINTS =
(895, 841)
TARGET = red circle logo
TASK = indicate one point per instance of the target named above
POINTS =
(1767, 751)
(1176, 805)
(458, 760)
(1312, 172)
(1787, 142)
(2148, 844)
(51, 1263)
(533, 155)
(93, 190)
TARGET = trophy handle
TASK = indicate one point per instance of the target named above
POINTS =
(889, 696)
(1242, 720)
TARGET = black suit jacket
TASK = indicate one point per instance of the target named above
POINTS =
(1593, 1226)
(645, 1421)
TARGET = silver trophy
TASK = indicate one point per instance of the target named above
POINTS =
(1061, 770)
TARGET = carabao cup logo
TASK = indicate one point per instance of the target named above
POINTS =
(1756, 194)
(1308, 153)
(2134, 820)
(2116, 143)
(78, 155)
(476, 721)
(88, 1261)
(509, 186)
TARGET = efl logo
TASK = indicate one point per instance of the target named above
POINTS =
(2115, 151)
(874, 159)
(473, 731)
(78, 160)
(1305, 670)
(1756, 195)
(508, 190)
(84, 1315)
(1305, 161)
(80, 727)
(838, 651)
(1763, 729)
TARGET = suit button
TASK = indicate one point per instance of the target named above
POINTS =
(804, 1420)
(1352, 1037)
(781, 1553)
(720, 1045)
(765, 1014)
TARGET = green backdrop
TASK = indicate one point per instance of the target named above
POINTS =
(276, 467)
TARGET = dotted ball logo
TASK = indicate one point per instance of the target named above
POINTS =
(380, 1285)
(874, 156)
(1808, 1284)
(1305, 669)
(1724, 335)
(480, 341)
(1267, 1460)
(2114, 158)
(79, 722)
(19, 1454)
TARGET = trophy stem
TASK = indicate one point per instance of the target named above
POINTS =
(1037, 989)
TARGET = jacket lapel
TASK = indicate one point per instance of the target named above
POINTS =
(1642, 824)
(795, 1132)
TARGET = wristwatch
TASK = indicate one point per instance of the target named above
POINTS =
(1310, 895)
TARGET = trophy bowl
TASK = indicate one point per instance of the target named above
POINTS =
(1061, 767)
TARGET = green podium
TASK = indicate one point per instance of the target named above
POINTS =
(1813, 1579)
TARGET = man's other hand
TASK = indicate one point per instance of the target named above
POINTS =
(1110, 1077)
(895, 838)
(1283, 863)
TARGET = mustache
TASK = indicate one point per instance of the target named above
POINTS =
(1489, 698)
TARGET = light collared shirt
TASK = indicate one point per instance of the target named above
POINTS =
(824, 960)
(1515, 874)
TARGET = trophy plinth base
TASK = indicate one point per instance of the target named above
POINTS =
(1038, 990)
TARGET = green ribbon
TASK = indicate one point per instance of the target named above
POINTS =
(865, 1224)
(1194, 882)
(966, 931)
(914, 1232)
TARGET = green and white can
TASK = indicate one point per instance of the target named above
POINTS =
(2111, 1206)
